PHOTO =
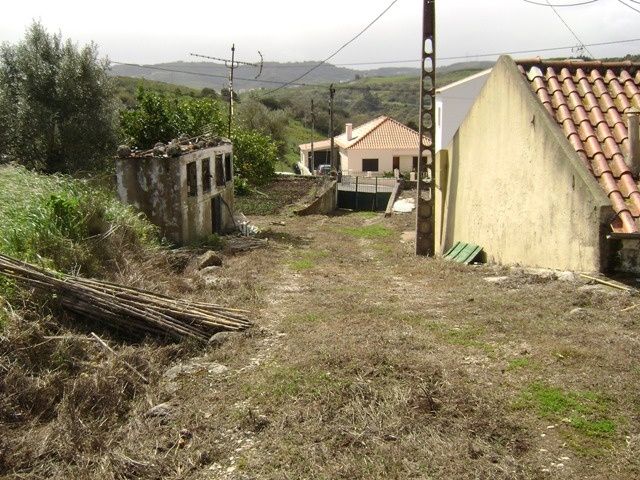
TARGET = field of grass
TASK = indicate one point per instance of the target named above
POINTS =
(365, 363)
(64, 223)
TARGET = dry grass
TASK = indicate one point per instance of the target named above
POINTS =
(366, 363)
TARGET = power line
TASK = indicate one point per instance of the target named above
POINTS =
(494, 54)
(212, 75)
(339, 49)
(570, 29)
(300, 84)
(629, 6)
(587, 2)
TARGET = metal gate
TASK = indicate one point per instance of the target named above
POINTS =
(364, 193)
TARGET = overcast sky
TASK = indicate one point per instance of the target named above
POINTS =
(290, 30)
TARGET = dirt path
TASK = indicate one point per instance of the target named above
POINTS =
(369, 363)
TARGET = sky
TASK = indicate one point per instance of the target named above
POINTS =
(158, 31)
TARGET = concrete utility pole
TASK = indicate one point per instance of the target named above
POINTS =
(425, 211)
(312, 160)
(332, 92)
(232, 65)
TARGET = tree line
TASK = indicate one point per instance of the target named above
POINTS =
(59, 112)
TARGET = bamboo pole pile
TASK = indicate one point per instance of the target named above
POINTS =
(128, 309)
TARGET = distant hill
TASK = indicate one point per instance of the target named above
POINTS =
(213, 75)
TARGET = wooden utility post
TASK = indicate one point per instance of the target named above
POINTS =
(312, 160)
(232, 65)
(332, 92)
(425, 211)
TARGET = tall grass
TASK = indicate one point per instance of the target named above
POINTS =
(64, 223)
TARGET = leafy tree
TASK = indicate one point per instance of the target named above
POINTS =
(255, 155)
(57, 109)
(224, 94)
(158, 117)
(254, 115)
(209, 92)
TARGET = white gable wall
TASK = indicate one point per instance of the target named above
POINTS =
(351, 160)
(452, 105)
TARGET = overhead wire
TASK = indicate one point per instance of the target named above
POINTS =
(578, 4)
(493, 54)
(630, 6)
(575, 35)
(342, 47)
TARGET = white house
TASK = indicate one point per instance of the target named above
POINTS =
(453, 102)
(378, 146)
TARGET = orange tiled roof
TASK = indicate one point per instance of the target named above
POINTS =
(588, 100)
(380, 133)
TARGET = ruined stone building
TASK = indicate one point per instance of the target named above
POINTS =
(185, 189)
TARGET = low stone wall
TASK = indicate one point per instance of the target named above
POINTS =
(326, 201)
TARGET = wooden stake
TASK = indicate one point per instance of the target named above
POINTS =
(609, 284)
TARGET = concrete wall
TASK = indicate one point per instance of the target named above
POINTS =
(453, 102)
(326, 201)
(158, 186)
(151, 186)
(197, 214)
(517, 188)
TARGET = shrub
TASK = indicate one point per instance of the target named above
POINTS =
(160, 118)
(65, 224)
(255, 155)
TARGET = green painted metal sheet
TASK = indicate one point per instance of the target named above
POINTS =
(463, 252)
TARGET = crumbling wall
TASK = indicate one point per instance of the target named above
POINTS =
(326, 201)
(149, 184)
(180, 206)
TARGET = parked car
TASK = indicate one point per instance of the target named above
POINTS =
(324, 169)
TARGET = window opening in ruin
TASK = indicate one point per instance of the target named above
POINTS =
(192, 179)
(206, 175)
(219, 171)
(228, 166)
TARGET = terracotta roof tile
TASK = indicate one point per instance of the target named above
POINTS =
(589, 100)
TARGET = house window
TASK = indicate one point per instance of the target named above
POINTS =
(370, 165)
(228, 165)
(396, 163)
(415, 164)
(219, 171)
(192, 179)
(206, 175)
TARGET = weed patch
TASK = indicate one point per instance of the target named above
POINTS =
(368, 232)
(64, 224)
(518, 363)
(307, 259)
(587, 412)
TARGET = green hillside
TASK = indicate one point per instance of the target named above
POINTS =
(356, 101)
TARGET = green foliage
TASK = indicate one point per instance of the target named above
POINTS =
(368, 231)
(586, 411)
(126, 90)
(63, 223)
(241, 187)
(160, 117)
(253, 115)
(359, 101)
(255, 156)
(56, 103)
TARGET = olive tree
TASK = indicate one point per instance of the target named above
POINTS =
(57, 110)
